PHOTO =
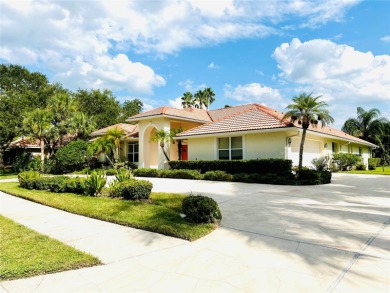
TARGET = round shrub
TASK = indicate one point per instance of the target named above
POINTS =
(71, 157)
(217, 176)
(201, 209)
(132, 189)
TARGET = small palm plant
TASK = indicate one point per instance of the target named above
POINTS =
(95, 183)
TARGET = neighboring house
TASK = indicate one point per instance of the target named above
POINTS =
(23, 145)
(243, 132)
(128, 149)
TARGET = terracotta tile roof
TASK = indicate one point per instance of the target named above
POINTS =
(130, 129)
(241, 118)
(24, 142)
(186, 114)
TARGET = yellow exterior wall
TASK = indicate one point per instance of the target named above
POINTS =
(201, 148)
(265, 145)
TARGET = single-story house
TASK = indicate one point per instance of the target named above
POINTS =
(23, 145)
(251, 131)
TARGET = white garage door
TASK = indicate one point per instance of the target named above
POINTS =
(311, 150)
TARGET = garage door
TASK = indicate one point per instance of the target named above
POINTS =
(311, 150)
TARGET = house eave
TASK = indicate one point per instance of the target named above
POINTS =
(166, 116)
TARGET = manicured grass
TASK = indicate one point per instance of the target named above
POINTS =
(161, 216)
(8, 174)
(25, 253)
(377, 171)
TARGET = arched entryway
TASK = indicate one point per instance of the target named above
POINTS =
(150, 149)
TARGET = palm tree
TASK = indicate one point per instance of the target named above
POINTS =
(102, 146)
(37, 124)
(115, 134)
(307, 110)
(366, 126)
(187, 100)
(208, 97)
(81, 125)
(162, 137)
(198, 99)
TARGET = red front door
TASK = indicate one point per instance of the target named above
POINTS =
(184, 152)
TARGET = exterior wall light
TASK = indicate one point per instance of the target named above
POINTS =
(289, 141)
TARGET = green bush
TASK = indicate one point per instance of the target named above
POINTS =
(146, 172)
(72, 157)
(132, 189)
(372, 163)
(346, 161)
(180, 174)
(321, 164)
(360, 167)
(261, 166)
(23, 177)
(312, 177)
(264, 178)
(95, 183)
(55, 184)
(201, 209)
(217, 176)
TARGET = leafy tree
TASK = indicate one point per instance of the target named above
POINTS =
(307, 110)
(101, 105)
(37, 124)
(131, 108)
(71, 157)
(115, 135)
(187, 100)
(366, 126)
(21, 91)
(162, 137)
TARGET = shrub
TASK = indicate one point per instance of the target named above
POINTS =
(320, 164)
(123, 175)
(312, 177)
(346, 161)
(361, 167)
(265, 178)
(71, 157)
(75, 185)
(372, 163)
(217, 176)
(201, 209)
(114, 188)
(132, 189)
(277, 166)
(23, 177)
(94, 183)
(180, 174)
(146, 172)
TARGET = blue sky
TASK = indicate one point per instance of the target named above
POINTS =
(246, 51)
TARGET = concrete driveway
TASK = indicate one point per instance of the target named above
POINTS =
(329, 238)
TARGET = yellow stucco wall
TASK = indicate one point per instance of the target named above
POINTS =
(201, 148)
(265, 145)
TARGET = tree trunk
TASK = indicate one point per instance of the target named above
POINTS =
(179, 146)
(162, 145)
(301, 150)
(42, 152)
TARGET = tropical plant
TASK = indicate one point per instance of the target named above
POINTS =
(162, 137)
(102, 145)
(95, 183)
(115, 134)
(123, 174)
(187, 100)
(81, 125)
(307, 110)
(37, 124)
(365, 126)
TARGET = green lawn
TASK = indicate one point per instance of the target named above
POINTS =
(161, 216)
(25, 253)
(8, 174)
(377, 171)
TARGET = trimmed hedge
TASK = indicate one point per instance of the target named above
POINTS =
(311, 177)
(260, 166)
(146, 172)
(201, 209)
(217, 176)
(55, 184)
(132, 189)
(178, 174)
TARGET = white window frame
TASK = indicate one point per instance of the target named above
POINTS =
(230, 149)
(132, 143)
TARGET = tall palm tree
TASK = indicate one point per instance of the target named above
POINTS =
(307, 110)
(162, 137)
(198, 99)
(366, 126)
(102, 146)
(208, 97)
(37, 124)
(187, 100)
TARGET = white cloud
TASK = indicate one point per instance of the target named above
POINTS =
(385, 39)
(188, 85)
(212, 66)
(346, 78)
(176, 103)
(253, 92)
(338, 71)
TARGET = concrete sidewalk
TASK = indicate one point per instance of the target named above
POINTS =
(329, 238)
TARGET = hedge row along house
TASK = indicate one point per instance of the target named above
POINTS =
(251, 131)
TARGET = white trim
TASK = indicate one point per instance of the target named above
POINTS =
(167, 116)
